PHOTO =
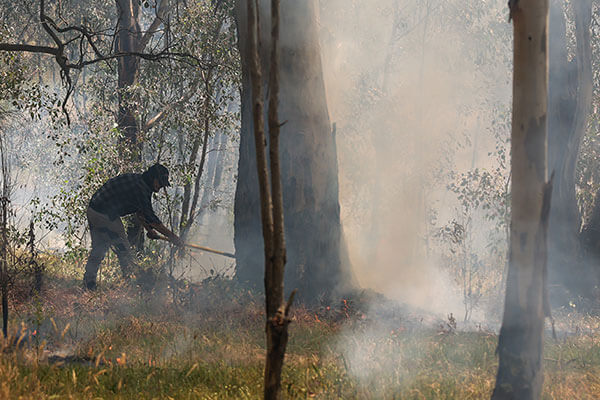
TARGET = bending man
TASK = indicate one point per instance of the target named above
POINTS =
(123, 195)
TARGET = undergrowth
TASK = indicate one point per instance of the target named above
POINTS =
(123, 342)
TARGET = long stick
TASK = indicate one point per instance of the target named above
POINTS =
(203, 248)
(207, 249)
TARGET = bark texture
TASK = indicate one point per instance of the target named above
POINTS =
(520, 344)
(317, 260)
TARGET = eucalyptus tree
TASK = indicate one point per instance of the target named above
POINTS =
(520, 345)
(317, 261)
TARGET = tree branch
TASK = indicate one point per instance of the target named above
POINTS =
(29, 48)
(44, 22)
(165, 111)
(86, 38)
(162, 11)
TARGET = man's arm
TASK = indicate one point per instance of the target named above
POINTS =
(173, 238)
(152, 227)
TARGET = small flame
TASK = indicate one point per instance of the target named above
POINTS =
(346, 308)
(122, 360)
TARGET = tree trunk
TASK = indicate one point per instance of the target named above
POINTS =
(4, 261)
(520, 344)
(214, 171)
(131, 39)
(317, 260)
(129, 36)
(569, 102)
(187, 187)
(271, 201)
(192, 214)
(188, 211)
(211, 167)
(220, 162)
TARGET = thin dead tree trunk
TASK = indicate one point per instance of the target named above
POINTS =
(192, 214)
(521, 336)
(4, 200)
(188, 211)
(277, 311)
(271, 200)
(4, 266)
(33, 263)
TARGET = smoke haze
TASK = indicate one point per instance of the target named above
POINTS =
(413, 87)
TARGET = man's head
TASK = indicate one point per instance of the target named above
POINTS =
(157, 176)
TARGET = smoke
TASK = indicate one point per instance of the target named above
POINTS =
(419, 92)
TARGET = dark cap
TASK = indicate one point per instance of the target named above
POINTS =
(160, 172)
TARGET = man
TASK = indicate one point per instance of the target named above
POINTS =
(123, 195)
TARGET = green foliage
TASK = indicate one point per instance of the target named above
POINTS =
(178, 93)
(483, 195)
(186, 96)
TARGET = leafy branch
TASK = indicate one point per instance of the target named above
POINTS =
(88, 49)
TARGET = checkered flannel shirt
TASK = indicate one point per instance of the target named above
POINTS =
(125, 194)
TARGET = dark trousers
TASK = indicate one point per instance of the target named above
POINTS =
(106, 234)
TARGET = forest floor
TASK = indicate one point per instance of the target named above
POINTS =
(123, 342)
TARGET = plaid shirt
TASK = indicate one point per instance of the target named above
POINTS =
(125, 194)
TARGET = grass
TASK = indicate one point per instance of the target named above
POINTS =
(123, 343)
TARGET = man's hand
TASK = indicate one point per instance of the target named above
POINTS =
(176, 240)
(170, 236)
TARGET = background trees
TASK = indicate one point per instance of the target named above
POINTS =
(570, 100)
(395, 127)
(131, 110)
(421, 129)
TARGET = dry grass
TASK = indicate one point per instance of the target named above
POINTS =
(122, 342)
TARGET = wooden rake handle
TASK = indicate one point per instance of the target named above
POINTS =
(204, 248)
